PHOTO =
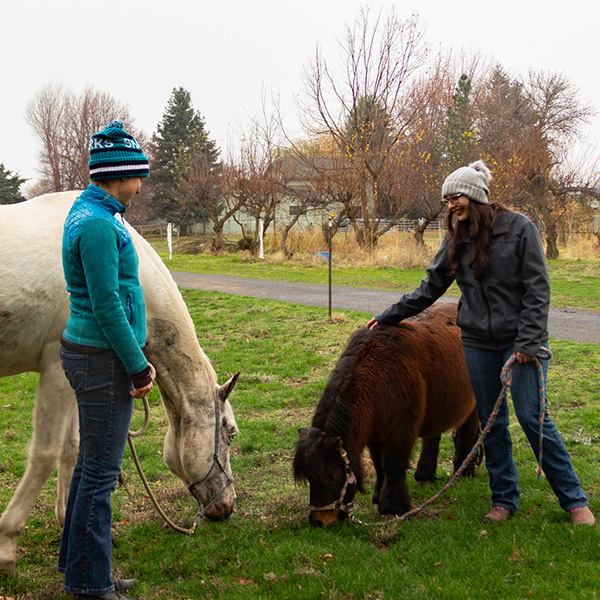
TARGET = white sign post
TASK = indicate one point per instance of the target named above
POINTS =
(261, 225)
(170, 239)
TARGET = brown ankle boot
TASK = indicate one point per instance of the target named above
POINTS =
(582, 516)
(498, 514)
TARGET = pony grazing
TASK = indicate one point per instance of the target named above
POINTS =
(390, 386)
(34, 307)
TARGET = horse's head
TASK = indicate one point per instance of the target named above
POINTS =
(197, 450)
(321, 460)
(201, 421)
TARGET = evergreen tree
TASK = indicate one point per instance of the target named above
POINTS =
(459, 132)
(180, 139)
(9, 187)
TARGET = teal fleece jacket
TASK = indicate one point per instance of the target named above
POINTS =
(101, 270)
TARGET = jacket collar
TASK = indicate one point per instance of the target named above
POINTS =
(97, 195)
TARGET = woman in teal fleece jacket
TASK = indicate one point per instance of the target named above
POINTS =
(101, 354)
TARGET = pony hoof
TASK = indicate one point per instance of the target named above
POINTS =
(425, 481)
(425, 477)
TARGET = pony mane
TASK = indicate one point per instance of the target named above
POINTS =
(333, 412)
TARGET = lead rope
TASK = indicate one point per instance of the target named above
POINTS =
(506, 378)
(136, 460)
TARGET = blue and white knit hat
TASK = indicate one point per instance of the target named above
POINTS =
(114, 154)
(472, 181)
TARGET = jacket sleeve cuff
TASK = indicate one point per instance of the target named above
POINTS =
(142, 379)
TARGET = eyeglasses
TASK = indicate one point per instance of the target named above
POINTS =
(450, 199)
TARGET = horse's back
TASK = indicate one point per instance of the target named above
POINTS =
(33, 298)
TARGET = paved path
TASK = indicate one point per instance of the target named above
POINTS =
(564, 323)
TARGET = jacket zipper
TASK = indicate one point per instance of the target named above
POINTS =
(489, 311)
(130, 308)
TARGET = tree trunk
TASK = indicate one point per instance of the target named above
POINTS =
(217, 243)
(284, 236)
(552, 252)
(419, 232)
(371, 237)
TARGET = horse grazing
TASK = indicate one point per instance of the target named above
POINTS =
(34, 307)
(390, 386)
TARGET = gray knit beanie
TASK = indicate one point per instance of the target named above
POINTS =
(472, 181)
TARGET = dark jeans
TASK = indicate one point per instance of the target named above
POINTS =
(484, 368)
(102, 387)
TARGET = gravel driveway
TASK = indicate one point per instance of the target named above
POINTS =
(564, 323)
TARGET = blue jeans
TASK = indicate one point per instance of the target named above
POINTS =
(484, 367)
(102, 388)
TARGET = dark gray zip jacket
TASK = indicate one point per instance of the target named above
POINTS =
(509, 307)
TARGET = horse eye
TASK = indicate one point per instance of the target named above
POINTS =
(231, 437)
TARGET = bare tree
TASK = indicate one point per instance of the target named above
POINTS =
(367, 111)
(43, 114)
(197, 188)
(307, 183)
(428, 150)
(64, 123)
(526, 129)
(261, 181)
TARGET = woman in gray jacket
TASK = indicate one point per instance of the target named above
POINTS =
(496, 257)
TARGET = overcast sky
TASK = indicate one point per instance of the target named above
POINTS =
(226, 53)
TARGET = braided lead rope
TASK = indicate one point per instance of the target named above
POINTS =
(543, 354)
(143, 428)
(153, 498)
(506, 379)
(138, 465)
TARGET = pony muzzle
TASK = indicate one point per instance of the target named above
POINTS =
(326, 517)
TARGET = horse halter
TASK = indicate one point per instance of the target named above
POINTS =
(350, 480)
(216, 461)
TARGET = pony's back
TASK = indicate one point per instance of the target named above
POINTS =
(388, 366)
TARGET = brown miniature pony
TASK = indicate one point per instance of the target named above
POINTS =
(390, 386)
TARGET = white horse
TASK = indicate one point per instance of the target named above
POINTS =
(34, 307)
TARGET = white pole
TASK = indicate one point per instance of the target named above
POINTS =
(170, 239)
(261, 225)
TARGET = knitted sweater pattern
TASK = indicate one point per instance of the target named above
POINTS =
(101, 270)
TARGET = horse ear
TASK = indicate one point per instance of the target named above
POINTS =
(331, 443)
(224, 391)
(302, 434)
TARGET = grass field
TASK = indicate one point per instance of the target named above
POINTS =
(266, 550)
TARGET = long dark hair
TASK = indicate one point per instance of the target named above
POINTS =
(478, 229)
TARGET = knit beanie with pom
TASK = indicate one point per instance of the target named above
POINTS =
(115, 154)
(472, 181)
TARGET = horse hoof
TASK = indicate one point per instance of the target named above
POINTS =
(8, 567)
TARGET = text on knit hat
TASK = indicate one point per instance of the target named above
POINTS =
(116, 154)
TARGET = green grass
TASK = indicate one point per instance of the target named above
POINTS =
(574, 283)
(266, 550)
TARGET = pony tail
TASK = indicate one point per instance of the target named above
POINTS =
(482, 168)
